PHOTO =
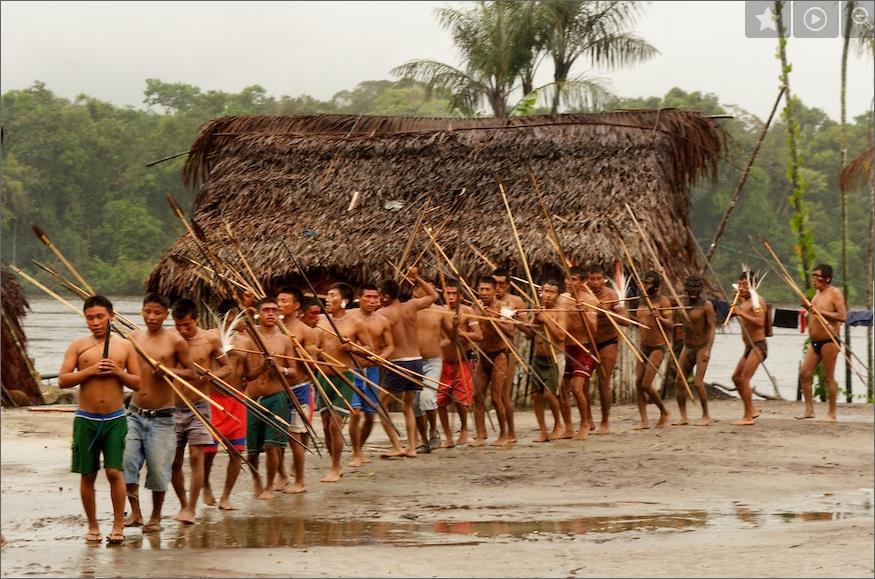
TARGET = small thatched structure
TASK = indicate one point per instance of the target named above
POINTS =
(293, 179)
(20, 385)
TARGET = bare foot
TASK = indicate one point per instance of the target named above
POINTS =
(805, 416)
(152, 528)
(294, 489)
(332, 476)
(567, 434)
(366, 459)
(355, 462)
(591, 426)
(280, 483)
(704, 421)
(134, 520)
(463, 437)
(116, 536)
(743, 422)
(478, 442)
(603, 428)
(682, 421)
(410, 454)
(756, 412)
(394, 453)
(185, 516)
(266, 494)
(511, 439)
(501, 441)
(582, 434)
(543, 437)
(645, 425)
(663, 420)
(448, 443)
(556, 433)
(93, 536)
(827, 418)
(209, 499)
(225, 505)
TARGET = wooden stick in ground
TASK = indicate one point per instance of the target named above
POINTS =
(650, 305)
(44, 238)
(734, 199)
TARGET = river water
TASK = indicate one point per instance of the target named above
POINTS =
(50, 326)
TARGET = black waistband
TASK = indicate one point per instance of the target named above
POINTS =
(158, 413)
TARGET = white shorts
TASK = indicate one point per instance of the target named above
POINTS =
(297, 424)
(426, 399)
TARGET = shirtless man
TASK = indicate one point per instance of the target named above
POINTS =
(753, 320)
(551, 325)
(581, 322)
(264, 386)
(457, 384)
(406, 354)
(653, 347)
(310, 311)
(699, 332)
(428, 338)
(361, 421)
(607, 340)
(233, 430)
(289, 301)
(205, 349)
(516, 303)
(101, 366)
(338, 386)
(151, 437)
(491, 370)
(830, 304)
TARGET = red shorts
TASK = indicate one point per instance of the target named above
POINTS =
(577, 361)
(457, 384)
(234, 431)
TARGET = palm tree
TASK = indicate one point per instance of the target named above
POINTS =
(495, 41)
(597, 30)
(849, 8)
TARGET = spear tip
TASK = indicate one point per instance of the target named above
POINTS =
(41, 234)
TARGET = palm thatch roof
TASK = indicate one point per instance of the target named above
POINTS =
(293, 179)
(20, 386)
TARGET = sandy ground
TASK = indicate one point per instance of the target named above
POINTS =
(783, 498)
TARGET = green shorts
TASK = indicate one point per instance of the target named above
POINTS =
(260, 434)
(98, 433)
(548, 372)
(339, 386)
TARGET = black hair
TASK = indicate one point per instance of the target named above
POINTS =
(748, 274)
(97, 300)
(310, 301)
(226, 306)
(368, 286)
(501, 272)
(487, 279)
(655, 277)
(157, 299)
(389, 287)
(578, 271)
(292, 291)
(552, 282)
(825, 270)
(452, 282)
(595, 268)
(265, 300)
(346, 292)
(184, 307)
(695, 281)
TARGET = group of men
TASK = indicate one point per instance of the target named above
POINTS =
(253, 384)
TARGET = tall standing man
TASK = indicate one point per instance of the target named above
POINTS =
(101, 367)
(428, 338)
(699, 328)
(578, 353)
(752, 317)
(653, 346)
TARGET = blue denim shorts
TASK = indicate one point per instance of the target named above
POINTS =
(150, 440)
(373, 374)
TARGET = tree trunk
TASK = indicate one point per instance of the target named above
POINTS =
(849, 8)
(799, 221)
(870, 260)
(560, 75)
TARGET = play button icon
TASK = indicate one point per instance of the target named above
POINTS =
(816, 19)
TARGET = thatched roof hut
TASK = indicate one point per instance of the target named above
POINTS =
(20, 386)
(293, 179)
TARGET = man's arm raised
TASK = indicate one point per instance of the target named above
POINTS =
(431, 294)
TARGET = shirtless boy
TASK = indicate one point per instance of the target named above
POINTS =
(653, 347)
(830, 304)
(205, 349)
(491, 371)
(457, 384)
(233, 430)
(551, 325)
(361, 420)
(581, 322)
(338, 349)
(151, 437)
(699, 329)
(264, 386)
(428, 338)
(507, 299)
(101, 366)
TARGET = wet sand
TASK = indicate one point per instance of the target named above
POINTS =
(783, 498)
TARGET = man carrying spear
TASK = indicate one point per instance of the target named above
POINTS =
(653, 347)
(428, 337)
(700, 327)
(829, 303)
(205, 349)
(102, 367)
(751, 311)
(151, 437)
(265, 387)
(457, 384)
(233, 430)
(578, 353)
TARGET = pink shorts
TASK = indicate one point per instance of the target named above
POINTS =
(456, 384)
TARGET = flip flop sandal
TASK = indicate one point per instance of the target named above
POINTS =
(115, 539)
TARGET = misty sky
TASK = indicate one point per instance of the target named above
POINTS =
(108, 49)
